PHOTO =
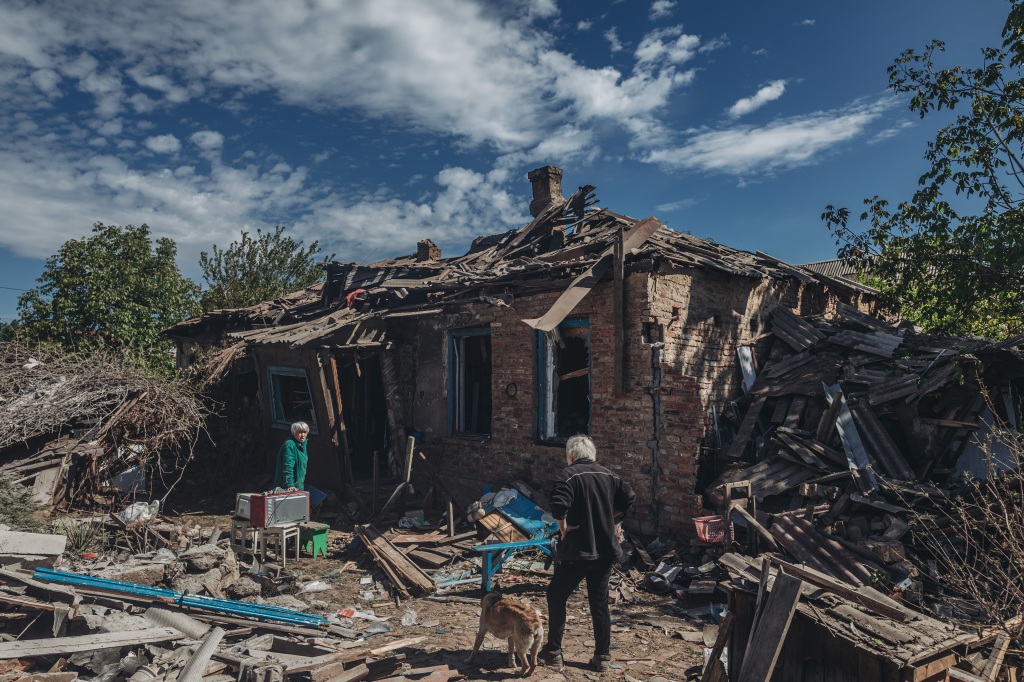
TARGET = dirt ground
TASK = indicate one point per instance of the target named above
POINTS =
(649, 637)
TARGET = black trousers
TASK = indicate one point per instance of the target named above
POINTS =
(568, 575)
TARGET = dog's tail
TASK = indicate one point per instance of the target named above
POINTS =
(538, 639)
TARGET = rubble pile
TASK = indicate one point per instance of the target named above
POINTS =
(190, 609)
(832, 500)
(81, 430)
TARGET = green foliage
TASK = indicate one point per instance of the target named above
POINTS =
(9, 330)
(951, 258)
(17, 506)
(116, 289)
(260, 269)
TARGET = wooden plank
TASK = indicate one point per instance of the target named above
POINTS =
(849, 592)
(929, 671)
(761, 530)
(746, 429)
(714, 672)
(760, 659)
(355, 674)
(400, 563)
(581, 286)
(995, 662)
(69, 645)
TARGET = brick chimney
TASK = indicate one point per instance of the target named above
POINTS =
(427, 250)
(547, 188)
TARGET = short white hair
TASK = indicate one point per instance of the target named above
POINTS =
(581, 449)
(299, 426)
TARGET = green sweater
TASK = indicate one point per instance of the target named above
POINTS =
(291, 465)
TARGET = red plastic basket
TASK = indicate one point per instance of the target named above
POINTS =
(710, 528)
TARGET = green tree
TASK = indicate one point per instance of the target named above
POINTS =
(116, 289)
(260, 269)
(951, 258)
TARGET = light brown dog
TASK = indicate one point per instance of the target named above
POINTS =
(515, 621)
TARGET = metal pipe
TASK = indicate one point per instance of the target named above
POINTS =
(259, 611)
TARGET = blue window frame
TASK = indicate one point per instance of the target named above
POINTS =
(563, 371)
(469, 381)
(290, 398)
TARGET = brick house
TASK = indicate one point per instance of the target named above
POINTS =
(583, 321)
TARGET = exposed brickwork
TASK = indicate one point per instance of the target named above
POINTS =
(652, 432)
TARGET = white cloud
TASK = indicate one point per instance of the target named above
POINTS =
(661, 9)
(667, 44)
(488, 78)
(163, 144)
(612, 37)
(544, 9)
(749, 150)
(207, 139)
(675, 205)
(768, 93)
(715, 44)
(761, 52)
(807, 22)
(584, 25)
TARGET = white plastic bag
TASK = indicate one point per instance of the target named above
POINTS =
(139, 511)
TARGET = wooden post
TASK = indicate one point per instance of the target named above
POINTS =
(400, 490)
(376, 482)
(451, 517)
(340, 430)
(618, 311)
(772, 625)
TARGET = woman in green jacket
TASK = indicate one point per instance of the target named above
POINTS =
(291, 460)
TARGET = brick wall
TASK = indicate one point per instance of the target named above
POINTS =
(651, 433)
(622, 425)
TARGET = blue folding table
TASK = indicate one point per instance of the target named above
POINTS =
(528, 518)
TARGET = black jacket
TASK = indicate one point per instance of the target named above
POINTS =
(588, 495)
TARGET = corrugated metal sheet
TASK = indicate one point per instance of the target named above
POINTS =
(802, 540)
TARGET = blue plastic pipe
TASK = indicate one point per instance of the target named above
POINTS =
(195, 601)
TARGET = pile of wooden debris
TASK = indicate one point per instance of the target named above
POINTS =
(857, 439)
(76, 427)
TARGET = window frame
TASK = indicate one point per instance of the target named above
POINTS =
(546, 397)
(278, 420)
(456, 379)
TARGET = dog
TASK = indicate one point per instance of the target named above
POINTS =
(514, 621)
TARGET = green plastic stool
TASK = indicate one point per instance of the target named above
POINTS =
(313, 538)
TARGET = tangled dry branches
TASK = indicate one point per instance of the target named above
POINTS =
(133, 413)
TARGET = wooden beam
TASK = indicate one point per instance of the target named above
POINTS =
(581, 286)
(746, 428)
(849, 592)
(69, 645)
(761, 530)
(715, 672)
(995, 661)
(339, 410)
(772, 627)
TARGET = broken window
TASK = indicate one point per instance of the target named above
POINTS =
(469, 381)
(564, 358)
(290, 397)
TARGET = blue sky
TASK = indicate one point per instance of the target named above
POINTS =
(371, 124)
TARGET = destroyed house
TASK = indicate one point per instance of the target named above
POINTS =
(582, 321)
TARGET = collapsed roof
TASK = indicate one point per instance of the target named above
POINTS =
(568, 240)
